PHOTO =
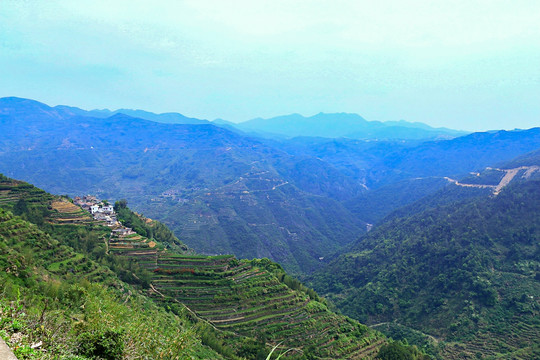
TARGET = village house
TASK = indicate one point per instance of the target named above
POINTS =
(108, 209)
(99, 208)
(102, 211)
(109, 219)
(86, 202)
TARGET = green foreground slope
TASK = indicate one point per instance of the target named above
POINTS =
(465, 272)
(79, 292)
(56, 303)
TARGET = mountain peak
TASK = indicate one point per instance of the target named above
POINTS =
(22, 102)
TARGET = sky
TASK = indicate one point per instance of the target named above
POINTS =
(471, 65)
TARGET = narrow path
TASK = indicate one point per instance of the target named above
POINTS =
(185, 306)
(431, 337)
(470, 185)
(106, 241)
(285, 183)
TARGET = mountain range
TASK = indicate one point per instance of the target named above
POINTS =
(212, 186)
(294, 201)
(320, 125)
(427, 235)
(344, 125)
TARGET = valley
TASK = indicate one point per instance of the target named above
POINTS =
(451, 272)
(269, 180)
(430, 241)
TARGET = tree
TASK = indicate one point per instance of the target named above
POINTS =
(20, 207)
(120, 204)
(394, 351)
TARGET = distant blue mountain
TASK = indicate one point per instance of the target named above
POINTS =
(337, 125)
(166, 118)
(344, 125)
(27, 106)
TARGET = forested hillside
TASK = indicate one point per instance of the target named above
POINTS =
(398, 173)
(463, 270)
(74, 290)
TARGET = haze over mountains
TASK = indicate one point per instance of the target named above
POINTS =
(223, 192)
(343, 125)
(330, 125)
(441, 207)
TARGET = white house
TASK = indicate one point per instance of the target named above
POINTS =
(107, 209)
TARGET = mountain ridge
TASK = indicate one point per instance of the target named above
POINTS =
(459, 265)
(326, 124)
(348, 125)
(294, 201)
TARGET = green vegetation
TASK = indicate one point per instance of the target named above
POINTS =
(91, 295)
(397, 351)
(78, 310)
(146, 227)
(465, 273)
(486, 177)
(258, 300)
(282, 224)
(374, 205)
(403, 333)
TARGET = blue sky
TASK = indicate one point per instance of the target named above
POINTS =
(472, 65)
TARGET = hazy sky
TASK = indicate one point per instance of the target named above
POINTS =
(470, 64)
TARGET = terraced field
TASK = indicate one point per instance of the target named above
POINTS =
(7, 196)
(520, 340)
(137, 247)
(247, 298)
(11, 191)
(65, 212)
(59, 210)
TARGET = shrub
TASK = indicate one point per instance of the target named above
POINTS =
(394, 351)
(106, 344)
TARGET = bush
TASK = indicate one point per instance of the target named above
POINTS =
(394, 351)
(397, 350)
(106, 345)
